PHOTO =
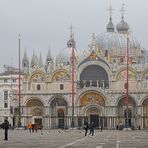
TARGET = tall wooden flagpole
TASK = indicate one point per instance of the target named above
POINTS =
(19, 85)
(72, 124)
(127, 85)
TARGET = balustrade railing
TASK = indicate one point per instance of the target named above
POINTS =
(103, 84)
(134, 86)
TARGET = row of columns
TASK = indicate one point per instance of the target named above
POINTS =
(96, 83)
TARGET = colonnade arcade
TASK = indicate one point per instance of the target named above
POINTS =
(91, 106)
(145, 113)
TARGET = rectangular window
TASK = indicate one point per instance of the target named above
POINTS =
(5, 95)
(14, 80)
(22, 111)
(5, 80)
(61, 86)
(38, 87)
(11, 109)
(5, 105)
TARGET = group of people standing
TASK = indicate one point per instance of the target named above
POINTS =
(91, 127)
(32, 127)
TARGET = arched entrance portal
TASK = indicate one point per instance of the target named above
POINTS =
(91, 105)
(34, 107)
(93, 114)
(126, 113)
(58, 112)
(145, 113)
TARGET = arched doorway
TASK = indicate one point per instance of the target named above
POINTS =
(61, 118)
(58, 112)
(126, 112)
(93, 114)
(91, 104)
(145, 113)
(34, 107)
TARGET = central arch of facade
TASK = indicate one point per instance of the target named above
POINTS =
(91, 107)
(94, 75)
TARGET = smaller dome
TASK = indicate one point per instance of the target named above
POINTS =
(122, 27)
(64, 57)
(110, 27)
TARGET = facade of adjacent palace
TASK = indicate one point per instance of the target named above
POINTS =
(99, 84)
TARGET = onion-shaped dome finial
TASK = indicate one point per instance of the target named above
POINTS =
(110, 25)
(71, 42)
(122, 26)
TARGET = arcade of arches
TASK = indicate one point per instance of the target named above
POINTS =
(91, 106)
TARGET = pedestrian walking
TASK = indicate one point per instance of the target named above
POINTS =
(117, 126)
(33, 128)
(36, 127)
(101, 127)
(86, 127)
(92, 128)
(30, 126)
(6, 127)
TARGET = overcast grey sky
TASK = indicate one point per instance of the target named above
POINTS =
(44, 23)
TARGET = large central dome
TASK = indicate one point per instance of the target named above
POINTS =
(115, 40)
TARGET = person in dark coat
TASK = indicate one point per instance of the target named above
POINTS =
(36, 127)
(86, 127)
(101, 127)
(6, 127)
(92, 128)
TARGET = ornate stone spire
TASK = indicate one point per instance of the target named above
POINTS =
(93, 43)
(93, 39)
(49, 62)
(25, 55)
(48, 58)
(110, 25)
(40, 64)
(25, 62)
(33, 61)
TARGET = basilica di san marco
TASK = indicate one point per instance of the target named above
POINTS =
(91, 85)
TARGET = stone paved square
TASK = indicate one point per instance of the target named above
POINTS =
(73, 138)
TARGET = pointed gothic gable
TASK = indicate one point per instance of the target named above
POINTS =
(93, 57)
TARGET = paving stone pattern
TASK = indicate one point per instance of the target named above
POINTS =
(73, 138)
